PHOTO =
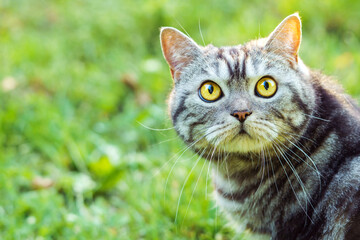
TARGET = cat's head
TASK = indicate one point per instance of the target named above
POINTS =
(241, 98)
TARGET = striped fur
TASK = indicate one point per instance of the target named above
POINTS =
(295, 174)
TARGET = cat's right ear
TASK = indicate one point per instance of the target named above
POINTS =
(178, 49)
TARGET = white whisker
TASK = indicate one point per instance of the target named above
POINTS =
(289, 180)
(318, 118)
(192, 194)
(155, 129)
(183, 187)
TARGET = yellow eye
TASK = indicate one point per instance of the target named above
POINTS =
(210, 91)
(266, 87)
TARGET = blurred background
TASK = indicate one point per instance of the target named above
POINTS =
(81, 84)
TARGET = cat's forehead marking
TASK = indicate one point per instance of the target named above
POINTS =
(231, 62)
(243, 69)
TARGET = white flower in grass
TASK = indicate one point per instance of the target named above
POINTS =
(83, 183)
(8, 83)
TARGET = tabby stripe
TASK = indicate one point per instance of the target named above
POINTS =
(313, 230)
(293, 155)
(180, 108)
(255, 61)
(236, 70)
(243, 67)
(216, 65)
(278, 113)
(331, 170)
(354, 225)
(192, 127)
(204, 71)
(220, 54)
(321, 131)
(234, 53)
(239, 196)
(297, 100)
(231, 72)
(296, 224)
(190, 114)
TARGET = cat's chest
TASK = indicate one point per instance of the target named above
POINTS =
(245, 200)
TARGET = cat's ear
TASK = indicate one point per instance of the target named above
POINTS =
(285, 39)
(178, 49)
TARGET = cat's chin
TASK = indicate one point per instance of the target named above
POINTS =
(237, 138)
(244, 143)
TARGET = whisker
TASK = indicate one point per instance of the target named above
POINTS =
(311, 160)
(202, 37)
(296, 196)
(285, 131)
(295, 145)
(228, 178)
(289, 149)
(155, 129)
(164, 141)
(216, 210)
(294, 134)
(274, 177)
(183, 187)
(182, 153)
(182, 28)
(168, 161)
(192, 194)
(318, 118)
(207, 180)
(268, 172)
(262, 167)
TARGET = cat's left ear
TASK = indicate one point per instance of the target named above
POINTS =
(285, 39)
(178, 49)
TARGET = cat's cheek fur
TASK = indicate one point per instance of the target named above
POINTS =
(303, 69)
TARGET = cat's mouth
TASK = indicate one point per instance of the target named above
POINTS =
(243, 132)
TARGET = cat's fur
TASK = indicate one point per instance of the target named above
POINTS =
(295, 172)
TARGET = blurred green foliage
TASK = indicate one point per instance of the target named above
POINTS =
(80, 80)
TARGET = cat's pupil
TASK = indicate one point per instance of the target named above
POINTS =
(266, 85)
(210, 89)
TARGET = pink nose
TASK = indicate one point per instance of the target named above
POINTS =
(241, 115)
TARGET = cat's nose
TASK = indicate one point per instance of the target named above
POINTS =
(241, 115)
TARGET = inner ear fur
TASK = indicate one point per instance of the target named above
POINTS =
(179, 50)
(286, 38)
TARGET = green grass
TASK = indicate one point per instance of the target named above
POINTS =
(76, 80)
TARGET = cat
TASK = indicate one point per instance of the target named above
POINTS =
(284, 140)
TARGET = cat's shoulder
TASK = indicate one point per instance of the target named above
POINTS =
(353, 227)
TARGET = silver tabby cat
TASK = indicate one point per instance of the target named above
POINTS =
(284, 140)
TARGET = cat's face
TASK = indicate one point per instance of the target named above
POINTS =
(243, 98)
